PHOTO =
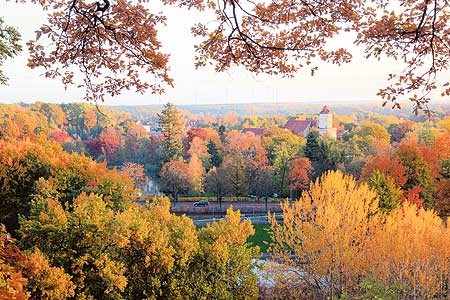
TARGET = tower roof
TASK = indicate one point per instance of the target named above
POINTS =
(325, 110)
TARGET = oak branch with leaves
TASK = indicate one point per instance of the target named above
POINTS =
(115, 43)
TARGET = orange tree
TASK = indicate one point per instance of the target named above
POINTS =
(39, 168)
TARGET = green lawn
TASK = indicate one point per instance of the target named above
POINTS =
(261, 237)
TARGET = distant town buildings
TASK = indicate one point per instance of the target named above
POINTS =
(324, 124)
(300, 127)
(151, 127)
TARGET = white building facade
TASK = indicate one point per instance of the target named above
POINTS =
(326, 123)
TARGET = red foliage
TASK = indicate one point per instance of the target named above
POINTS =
(196, 132)
(442, 198)
(441, 146)
(60, 136)
(387, 165)
(301, 169)
(413, 195)
(430, 156)
(107, 143)
(136, 130)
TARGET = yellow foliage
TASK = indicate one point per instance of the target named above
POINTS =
(334, 237)
(326, 229)
(411, 249)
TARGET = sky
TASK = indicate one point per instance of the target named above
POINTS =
(356, 81)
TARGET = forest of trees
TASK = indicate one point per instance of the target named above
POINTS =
(364, 216)
(371, 219)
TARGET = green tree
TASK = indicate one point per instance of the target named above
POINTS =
(312, 149)
(281, 146)
(322, 153)
(9, 46)
(171, 125)
(445, 172)
(216, 157)
(389, 194)
(417, 171)
(283, 155)
(327, 158)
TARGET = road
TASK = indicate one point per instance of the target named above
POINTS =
(255, 219)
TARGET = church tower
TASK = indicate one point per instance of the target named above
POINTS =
(326, 123)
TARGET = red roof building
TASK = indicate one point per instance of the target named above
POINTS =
(255, 131)
(300, 127)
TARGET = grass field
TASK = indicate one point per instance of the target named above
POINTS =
(261, 237)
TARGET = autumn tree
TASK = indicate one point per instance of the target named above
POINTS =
(171, 125)
(323, 235)
(175, 179)
(368, 136)
(262, 185)
(197, 174)
(300, 172)
(199, 148)
(108, 143)
(234, 171)
(40, 168)
(60, 136)
(142, 251)
(418, 172)
(75, 35)
(442, 198)
(136, 172)
(388, 165)
(410, 251)
(225, 264)
(215, 183)
(28, 274)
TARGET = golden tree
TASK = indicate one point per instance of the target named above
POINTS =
(321, 240)
(411, 250)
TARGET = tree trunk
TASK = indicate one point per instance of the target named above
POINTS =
(282, 181)
(175, 198)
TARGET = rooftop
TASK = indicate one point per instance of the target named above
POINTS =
(325, 110)
(298, 126)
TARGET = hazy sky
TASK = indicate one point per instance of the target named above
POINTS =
(357, 81)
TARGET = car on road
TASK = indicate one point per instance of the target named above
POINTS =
(201, 203)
